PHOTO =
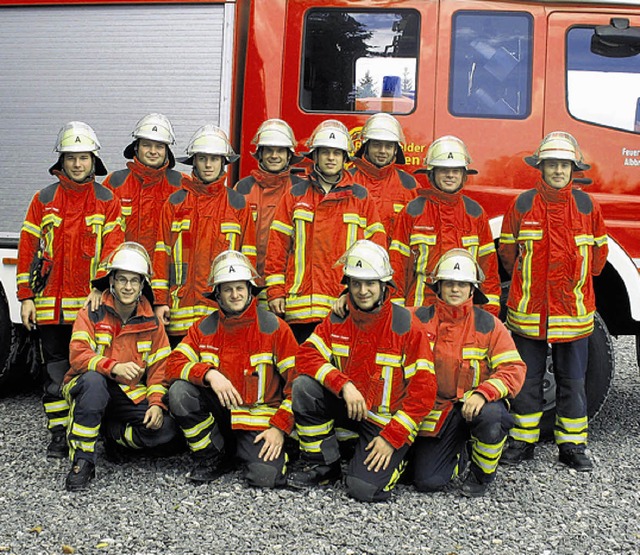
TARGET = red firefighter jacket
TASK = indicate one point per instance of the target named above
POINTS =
(100, 340)
(198, 222)
(386, 355)
(310, 232)
(263, 191)
(390, 187)
(74, 226)
(255, 351)
(429, 226)
(473, 353)
(552, 243)
(141, 191)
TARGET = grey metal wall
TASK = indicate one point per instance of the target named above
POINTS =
(107, 66)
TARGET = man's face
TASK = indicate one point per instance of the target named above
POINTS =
(233, 296)
(78, 166)
(329, 160)
(274, 158)
(449, 180)
(455, 292)
(381, 153)
(556, 173)
(365, 293)
(208, 166)
(126, 286)
(151, 153)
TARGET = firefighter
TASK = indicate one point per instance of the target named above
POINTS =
(197, 223)
(69, 226)
(315, 222)
(148, 179)
(371, 372)
(477, 367)
(117, 378)
(230, 392)
(553, 242)
(376, 167)
(276, 153)
(439, 219)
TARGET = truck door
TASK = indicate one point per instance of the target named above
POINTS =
(490, 92)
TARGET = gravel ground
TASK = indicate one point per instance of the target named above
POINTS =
(148, 507)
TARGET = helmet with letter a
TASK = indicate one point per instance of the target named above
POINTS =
(231, 266)
(77, 136)
(461, 266)
(366, 260)
(154, 127)
(330, 133)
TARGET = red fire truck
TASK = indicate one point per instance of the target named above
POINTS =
(499, 74)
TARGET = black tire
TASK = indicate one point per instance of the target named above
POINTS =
(600, 372)
(6, 335)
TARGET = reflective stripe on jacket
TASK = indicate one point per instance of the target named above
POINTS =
(387, 357)
(100, 340)
(75, 226)
(198, 222)
(310, 232)
(141, 191)
(473, 353)
(552, 243)
(263, 191)
(255, 351)
(430, 225)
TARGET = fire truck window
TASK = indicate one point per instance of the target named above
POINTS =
(491, 64)
(360, 61)
(602, 88)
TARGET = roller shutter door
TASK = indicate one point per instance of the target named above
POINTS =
(107, 65)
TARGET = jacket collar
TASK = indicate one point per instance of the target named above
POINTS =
(148, 176)
(372, 170)
(194, 185)
(551, 195)
(70, 184)
(453, 314)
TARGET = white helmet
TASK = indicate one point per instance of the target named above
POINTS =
(209, 139)
(77, 136)
(231, 266)
(448, 152)
(330, 133)
(558, 145)
(383, 127)
(155, 127)
(366, 260)
(458, 265)
(276, 132)
(128, 257)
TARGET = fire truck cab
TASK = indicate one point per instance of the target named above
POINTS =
(498, 74)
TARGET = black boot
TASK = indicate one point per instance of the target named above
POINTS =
(81, 473)
(208, 468)
(58, 448)
(576, 458)
(517, 451)
(476, 483)
(309, 474)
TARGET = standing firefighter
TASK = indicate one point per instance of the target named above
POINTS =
(230, 391)
(263, 189)
(439, 219)
(148, 179)
(117, 378)
(70, 225)
(376, 167)
(371, 372)
(315, 222)
(477, 367)
(553, 242)
(198, 222)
